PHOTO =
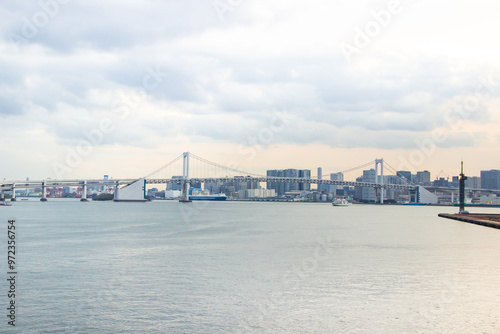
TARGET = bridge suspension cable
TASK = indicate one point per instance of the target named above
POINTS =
(396, 173)
(224, 167)
(355, 168)
(359, 167)
(164, 167)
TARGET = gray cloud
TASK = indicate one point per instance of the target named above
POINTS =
(223, 78)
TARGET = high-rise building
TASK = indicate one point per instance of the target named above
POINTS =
(213, 187)
(441, 182)
(291, 186)
(284, 187)
(240, 184)
(391, 193)
(490, 179)
(358, 191)
(278, 186)
(423, 177)
(336, 177)
(305, 174)
(368, 194)
(405, 175)
(322, 187)
(175, 186)
(473, 182)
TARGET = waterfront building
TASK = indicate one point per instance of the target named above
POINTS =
(284, 187)
(392, 193)
(213, 187)
(423, 178)
(257, 193)
(368, 194)
(473, 182)
(490, 179)
(358, 191)
(175, 186)
(305, 174)
(336, 177)
(404, 175)
(490, 200)
(152, 192)
(172, 194)
(239, 184)
(279, 187)
(322, 188)
(441, 182)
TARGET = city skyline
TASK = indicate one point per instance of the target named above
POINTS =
(106, 88)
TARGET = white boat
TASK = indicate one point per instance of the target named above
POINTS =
(3, 203)
(340, 202)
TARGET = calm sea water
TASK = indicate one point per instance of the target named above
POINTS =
(229, 267)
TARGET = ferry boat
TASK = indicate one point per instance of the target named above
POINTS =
(220, 197)
(341, 202)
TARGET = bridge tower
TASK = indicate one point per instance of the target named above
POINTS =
(185, 179)
(379, 179)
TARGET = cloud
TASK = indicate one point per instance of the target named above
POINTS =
(222, 80)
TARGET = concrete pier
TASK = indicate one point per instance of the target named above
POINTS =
(483, 219)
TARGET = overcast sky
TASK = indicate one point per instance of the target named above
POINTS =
(266, 84)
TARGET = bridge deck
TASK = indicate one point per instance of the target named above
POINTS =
(8, 185)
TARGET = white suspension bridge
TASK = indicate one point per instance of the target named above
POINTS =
(199, 170)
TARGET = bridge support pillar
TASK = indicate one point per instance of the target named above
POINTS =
(379, 179)
(117, 189)
(44, 192)
(13, 198)
(84, 192)
(185, 175)
(185, 192)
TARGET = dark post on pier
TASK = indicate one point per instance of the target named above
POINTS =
(462, 189)
(484, 219)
